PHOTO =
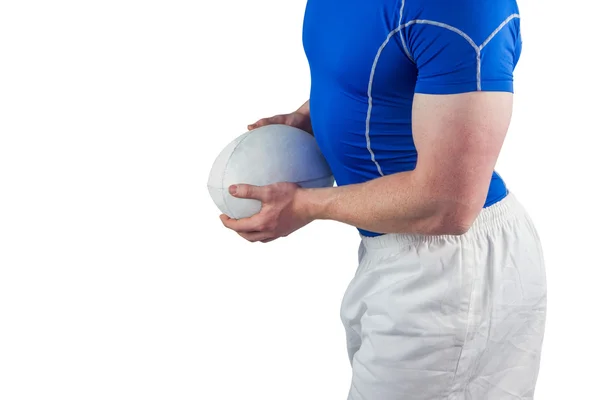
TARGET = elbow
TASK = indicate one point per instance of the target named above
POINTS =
(453, 228)
(452, 206)
(453, 222)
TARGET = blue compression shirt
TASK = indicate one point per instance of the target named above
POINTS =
(368, 58)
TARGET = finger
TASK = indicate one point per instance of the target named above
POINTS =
(244, 191)
(276, 119)
(255, 236)
(245, 225)
(258, 124)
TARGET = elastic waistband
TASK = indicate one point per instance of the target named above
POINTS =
(489, 219)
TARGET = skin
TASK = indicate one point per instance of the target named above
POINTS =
(458, 139)
(299, 119)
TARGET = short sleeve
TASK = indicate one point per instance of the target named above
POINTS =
(454, 54)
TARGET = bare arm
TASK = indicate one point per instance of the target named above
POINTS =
(458, 139)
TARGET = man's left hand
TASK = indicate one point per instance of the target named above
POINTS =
(281, 214)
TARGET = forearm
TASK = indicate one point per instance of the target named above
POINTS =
(398, 203)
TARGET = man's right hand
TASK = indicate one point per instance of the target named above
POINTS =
(298, 119)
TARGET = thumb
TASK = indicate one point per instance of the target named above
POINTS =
(244, 191)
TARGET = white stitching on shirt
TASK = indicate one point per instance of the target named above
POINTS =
(401, 36)
(498, 29)
(455, 30)
(464, 35)
(369, 94)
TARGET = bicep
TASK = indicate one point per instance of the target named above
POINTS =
(458, 139)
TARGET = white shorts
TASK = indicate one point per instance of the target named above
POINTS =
(449, 317)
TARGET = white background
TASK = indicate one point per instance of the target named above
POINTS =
(118, 281)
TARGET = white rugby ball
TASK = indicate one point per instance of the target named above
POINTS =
(263, 156)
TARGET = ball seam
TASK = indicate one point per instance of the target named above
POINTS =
(226, 190)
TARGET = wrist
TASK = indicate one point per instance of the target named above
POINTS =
(314, 203)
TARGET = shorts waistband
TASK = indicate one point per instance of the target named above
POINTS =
(490, 218)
